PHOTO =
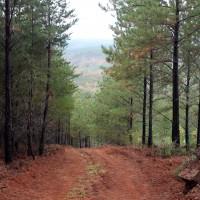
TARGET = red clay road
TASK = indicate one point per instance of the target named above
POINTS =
(107, 173)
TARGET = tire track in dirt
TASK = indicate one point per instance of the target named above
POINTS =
(93, 174)
(130, 175)
(121, 181)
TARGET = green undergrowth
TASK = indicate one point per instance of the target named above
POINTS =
(166, 151)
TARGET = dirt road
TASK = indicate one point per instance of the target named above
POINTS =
(109, 173)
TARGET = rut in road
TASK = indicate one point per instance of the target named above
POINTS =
(129, 175)
(121, 179)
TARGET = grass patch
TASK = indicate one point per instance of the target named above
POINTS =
(94, 169)
(85, 182)
(78, 192)
(166, 151)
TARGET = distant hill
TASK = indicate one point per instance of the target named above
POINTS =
(88, 57)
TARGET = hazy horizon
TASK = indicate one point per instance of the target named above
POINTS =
(93, 22)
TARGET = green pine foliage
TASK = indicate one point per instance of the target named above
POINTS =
(30, 33)
(142, 28)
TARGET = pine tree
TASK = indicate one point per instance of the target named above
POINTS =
(56, 29)
(8, 72)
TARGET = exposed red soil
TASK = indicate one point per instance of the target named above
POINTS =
(107, 173)
(46, 178)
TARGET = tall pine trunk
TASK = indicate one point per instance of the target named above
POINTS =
(46, 105)
(151, 90)
(187, 107)
(80, 139)
(29, 125)
(144, 111)
(66, 131)
(175, 121)
(59, 135)
(47, 92)
(30, 101)
(8, 116)
(130, 121)
(198, 128)
(69, 125)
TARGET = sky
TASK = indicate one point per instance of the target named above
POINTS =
(93, 22)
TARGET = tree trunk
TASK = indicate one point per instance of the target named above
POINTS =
(175, 121)
(131, 114)
(144, 111)
(198, 128)
(89, 141)
(66, 131)
(187, 107)
(151, 90)
(30, 106)
(59, 138)
(46, 106)
(69, 124)
(14, 115)
(86, 142)
(29, 125)
(8, 116)
(80, 143)
(130, 121)
(71, 141)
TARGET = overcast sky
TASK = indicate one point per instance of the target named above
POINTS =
(93, 22)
